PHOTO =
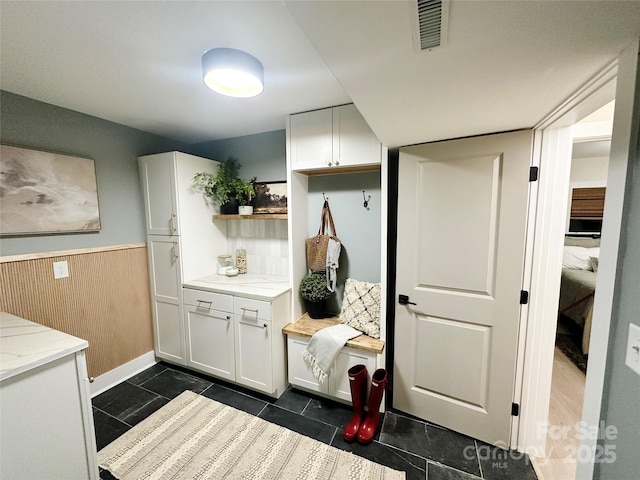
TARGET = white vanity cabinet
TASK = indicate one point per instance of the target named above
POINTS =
(238, 339)
(46, 415)
(333, 138)
(182, 241)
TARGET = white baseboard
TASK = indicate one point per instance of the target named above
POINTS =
(119, 374)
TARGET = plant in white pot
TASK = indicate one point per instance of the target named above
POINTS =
(226, 187)
(313, 289)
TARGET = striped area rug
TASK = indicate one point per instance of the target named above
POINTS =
(193, 437)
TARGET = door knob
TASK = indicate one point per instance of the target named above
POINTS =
(404, 300)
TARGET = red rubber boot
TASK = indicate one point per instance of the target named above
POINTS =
(358, 383)
(370, 425)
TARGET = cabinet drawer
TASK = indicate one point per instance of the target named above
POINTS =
(207, 300)
(252, 309)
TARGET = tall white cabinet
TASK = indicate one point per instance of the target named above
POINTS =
(331, 141)
(182, 241)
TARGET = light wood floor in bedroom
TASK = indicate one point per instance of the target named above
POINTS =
(565, 412)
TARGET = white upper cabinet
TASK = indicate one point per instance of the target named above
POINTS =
(172, 205)
(311, 139)
(332, 138)
(158, 178)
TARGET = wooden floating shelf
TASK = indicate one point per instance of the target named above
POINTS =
(338, 169)
(306, 326)
(257, 216)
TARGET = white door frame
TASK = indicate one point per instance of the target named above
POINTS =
(543, 261)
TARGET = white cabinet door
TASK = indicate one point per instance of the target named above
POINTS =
(210, 341)
(254, 366)
(353, 141)
(311, 139)
(158, 178)
(339, 379)
(166, 297)
(300, 373)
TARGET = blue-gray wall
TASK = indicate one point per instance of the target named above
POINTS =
(262, 155)
(358, 228)
(621, 398)
(114, 148)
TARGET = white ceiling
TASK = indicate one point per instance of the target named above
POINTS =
(505, 65)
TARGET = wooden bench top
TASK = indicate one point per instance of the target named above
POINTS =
(306, 326)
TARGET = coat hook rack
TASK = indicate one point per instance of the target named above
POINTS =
(366, 200)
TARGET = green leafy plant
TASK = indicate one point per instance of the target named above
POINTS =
(313, 287)
(226, 184)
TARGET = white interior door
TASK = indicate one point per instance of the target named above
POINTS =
(462, 208)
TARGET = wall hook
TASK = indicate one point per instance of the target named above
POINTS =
(366, 200)
(326, 199)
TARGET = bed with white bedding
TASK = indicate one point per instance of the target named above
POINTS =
(578, 283)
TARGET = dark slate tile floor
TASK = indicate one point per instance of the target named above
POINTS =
(423, 450)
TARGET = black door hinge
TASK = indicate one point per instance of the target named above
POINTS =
(533, 174)
(524, 297)
(515, 409)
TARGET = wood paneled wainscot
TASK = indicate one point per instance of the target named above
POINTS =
(104, 300)
(359, 350)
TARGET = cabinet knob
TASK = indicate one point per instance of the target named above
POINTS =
(329, 164)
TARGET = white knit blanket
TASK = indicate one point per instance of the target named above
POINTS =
(324, 347)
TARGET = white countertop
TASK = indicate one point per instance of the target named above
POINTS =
(25, 345)
(248, 285)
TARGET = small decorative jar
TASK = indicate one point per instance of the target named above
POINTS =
(241, 260)
(225, 262)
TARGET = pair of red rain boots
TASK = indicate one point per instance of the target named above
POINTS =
(359, 426)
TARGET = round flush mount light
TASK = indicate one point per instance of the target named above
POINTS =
(232, 72)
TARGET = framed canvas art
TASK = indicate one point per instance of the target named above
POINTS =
(45, 193)
(271, 197)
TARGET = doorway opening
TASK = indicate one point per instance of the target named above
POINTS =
(585, 210)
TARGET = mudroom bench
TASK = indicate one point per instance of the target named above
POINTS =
(359, 350)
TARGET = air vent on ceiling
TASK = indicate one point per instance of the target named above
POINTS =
(432, 22)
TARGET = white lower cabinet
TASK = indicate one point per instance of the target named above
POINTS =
(205, 327)
(337, 384)
(253, 353)
(231, 337)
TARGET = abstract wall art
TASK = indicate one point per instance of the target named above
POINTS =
(46, 193)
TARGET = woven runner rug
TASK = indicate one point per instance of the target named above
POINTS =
(194, 437)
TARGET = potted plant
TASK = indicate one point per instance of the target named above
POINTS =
(226, 187)
(313, 289)
(245, 195)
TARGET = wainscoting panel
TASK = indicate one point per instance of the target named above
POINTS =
(105, 299)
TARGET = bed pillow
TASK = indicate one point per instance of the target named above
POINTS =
(361, 306)
(577, 258)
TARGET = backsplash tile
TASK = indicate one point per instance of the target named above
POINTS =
(266, 243)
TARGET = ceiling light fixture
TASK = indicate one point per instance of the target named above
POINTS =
(232, 72)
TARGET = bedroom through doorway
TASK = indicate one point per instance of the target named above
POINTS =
(585, 202)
